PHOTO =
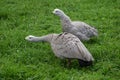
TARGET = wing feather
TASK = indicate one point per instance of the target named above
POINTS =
(69, 46)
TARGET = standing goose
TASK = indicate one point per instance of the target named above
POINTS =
(66, 45)
(82, 30)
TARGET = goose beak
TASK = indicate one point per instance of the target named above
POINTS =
(53, 12)
(26, 38)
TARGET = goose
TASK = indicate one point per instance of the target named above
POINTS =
(66, 46)
(80, 29)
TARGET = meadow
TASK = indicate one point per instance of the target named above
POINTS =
(23, 60)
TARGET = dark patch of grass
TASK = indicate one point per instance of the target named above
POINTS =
(3, 16)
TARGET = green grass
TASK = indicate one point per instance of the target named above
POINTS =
(22, 60)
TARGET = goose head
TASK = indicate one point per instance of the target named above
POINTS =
(30, 38)
(58, 12)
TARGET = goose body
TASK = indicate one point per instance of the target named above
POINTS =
(66, 45)
(81, 29)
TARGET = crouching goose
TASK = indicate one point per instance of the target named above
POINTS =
(66, 45)
(82, 30)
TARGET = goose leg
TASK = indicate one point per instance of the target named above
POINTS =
(69, 62)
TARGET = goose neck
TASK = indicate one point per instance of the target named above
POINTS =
(46, 38)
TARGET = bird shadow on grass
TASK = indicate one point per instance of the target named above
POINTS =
(92, 41)
(74, 65)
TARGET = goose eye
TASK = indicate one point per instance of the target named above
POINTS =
(56, 11)
(30, 37)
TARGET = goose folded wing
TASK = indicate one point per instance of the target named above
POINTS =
(70, 50)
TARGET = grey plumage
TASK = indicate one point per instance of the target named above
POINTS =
(65, 45)
(82, 30)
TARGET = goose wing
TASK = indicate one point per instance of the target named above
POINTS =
(85, 28)
(69, 46)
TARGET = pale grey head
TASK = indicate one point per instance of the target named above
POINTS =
(30, 38)
(58, 12)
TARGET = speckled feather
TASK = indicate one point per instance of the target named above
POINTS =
(66, 45)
